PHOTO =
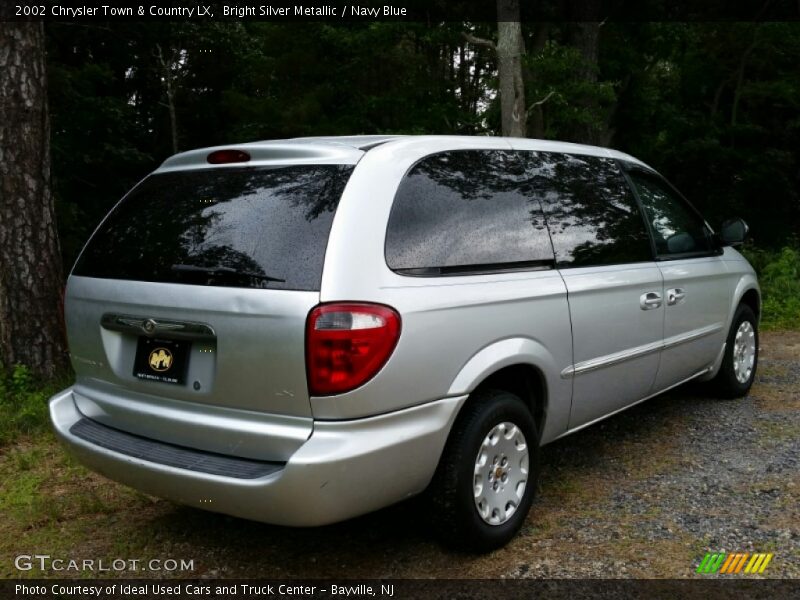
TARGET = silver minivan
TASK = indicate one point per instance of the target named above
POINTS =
(302, 331)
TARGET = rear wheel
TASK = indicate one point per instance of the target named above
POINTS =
(739, 364)
(486, 479)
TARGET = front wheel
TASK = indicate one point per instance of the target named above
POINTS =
(486, 479)
(739, 364)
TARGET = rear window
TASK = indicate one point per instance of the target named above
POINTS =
(262, 227)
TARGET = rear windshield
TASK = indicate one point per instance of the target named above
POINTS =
(261, 227)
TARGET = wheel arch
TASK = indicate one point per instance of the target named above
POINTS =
(520, 366)
(525, 381)
(747, 292)
(752, 298)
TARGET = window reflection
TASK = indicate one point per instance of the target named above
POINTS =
(591, 212)
(259, 221)
(676, 230)
(466, 208)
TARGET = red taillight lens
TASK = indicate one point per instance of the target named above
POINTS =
(347, 344)
(223, 157)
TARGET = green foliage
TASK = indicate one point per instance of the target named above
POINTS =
(23, 403)
(779, 277)
(713, 106)
(239, 82)
(569, 102)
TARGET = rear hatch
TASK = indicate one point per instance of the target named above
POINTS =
(195, 291)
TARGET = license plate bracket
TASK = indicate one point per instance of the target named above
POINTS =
(161, 360)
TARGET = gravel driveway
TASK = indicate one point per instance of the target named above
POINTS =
(677, 477)
(644, 494)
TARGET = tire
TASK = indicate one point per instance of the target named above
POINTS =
(737, 372)
(455, 512)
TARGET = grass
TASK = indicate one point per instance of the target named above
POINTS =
(779, 277)
(23, 403)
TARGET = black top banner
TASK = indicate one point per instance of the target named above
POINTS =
(404, 10)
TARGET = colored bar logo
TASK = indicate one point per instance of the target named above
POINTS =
(742, 562)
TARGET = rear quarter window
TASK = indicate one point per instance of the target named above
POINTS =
(262, 227)
(466, 211)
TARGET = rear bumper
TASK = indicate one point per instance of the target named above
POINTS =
(345, 469)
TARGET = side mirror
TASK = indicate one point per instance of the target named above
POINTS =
(733, 232)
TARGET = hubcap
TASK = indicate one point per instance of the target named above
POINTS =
(744, 352)
(501, 473)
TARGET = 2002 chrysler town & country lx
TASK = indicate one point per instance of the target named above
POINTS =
(302, 331)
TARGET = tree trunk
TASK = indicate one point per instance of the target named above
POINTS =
(737, 91)
(169, 84)
(173, 117)
(510, 49)
(536, 110)
(586, 39)
(31, 331)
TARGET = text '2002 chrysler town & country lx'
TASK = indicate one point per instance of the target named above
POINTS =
(302, 331)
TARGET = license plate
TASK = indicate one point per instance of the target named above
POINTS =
(161, 360)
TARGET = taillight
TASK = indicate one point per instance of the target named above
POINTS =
(227, 156)
(347, 344)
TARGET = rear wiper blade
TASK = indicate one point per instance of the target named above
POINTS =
(223, 271)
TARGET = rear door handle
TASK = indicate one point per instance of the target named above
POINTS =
(650, 300)
(675, 296)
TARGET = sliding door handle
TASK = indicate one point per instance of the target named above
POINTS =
(675, 296)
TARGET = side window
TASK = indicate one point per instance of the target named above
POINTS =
(591, 213)
(676, 228)
(466, 211)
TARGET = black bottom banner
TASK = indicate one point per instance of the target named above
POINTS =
(222, 589)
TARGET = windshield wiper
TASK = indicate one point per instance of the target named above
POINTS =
(223, 271)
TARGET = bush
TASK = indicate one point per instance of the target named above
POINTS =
(779, 276)
(23, 403)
